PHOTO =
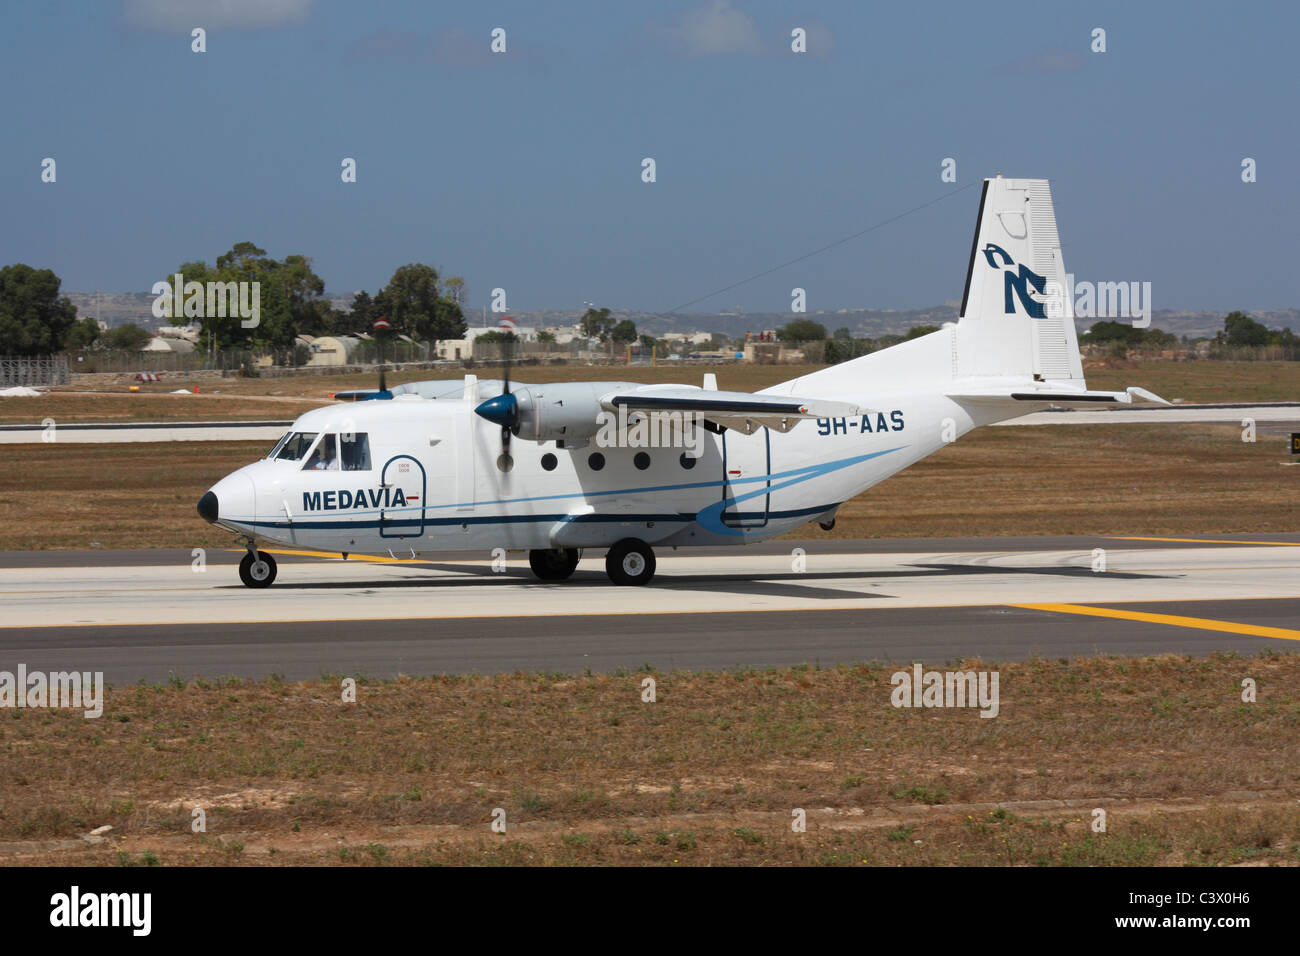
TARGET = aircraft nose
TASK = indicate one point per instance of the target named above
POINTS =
(208, 507)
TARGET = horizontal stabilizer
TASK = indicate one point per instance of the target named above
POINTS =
(1080, 397)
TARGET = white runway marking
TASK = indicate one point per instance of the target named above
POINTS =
(333, 590)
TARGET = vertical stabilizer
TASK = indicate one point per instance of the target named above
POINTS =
(1016, 319)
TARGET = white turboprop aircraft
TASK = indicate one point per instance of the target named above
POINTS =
(435, 469)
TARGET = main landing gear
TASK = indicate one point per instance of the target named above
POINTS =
(553, 564)
(629, 562)
(257, 569)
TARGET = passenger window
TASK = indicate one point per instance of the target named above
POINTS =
(355, 451)
(325, 457)
(296, 445)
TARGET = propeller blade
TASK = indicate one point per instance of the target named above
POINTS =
(505, 371)
(383, 392)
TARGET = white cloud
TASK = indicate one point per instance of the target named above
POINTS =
(718, 28)
(214, 14)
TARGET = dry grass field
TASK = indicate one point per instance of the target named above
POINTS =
(70, 407)
(709, 773)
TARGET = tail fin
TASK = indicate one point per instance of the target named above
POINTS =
(1016, 319)
(1014, 342)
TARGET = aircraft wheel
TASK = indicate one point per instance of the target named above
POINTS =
(553, 564)
(259, 573)
(630, 562)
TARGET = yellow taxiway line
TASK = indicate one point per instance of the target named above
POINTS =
(1174, 620)
(1281, 544)
(378, 558)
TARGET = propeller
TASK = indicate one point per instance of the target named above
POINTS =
(379, 326)
(503, 410)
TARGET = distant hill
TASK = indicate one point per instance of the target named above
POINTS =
(868, 322)
(118, 307)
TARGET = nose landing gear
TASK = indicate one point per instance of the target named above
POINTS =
(257, 569)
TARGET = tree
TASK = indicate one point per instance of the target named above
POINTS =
(303, 288)
(128, 337)
(413, 304)
(843, 334)
(288, 299)
(245, 258)
(1239, 329)
(495, 337)
(454, 289)
(624, 332)
(448, 321)
(802, 330)
(361, 318)
(34, 319)
(1113, 332)
(546, 337)
(82, 335)
(916, 331)
(596, 324)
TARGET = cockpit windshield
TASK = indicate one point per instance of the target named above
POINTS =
(280, 444)
(293, 446)
(325, 457)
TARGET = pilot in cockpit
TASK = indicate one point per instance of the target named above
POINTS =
(324, 457)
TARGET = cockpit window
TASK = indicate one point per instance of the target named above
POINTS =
(325, 457)
(294, 446)
(355, 450)
(280, 444)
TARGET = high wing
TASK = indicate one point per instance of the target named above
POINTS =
(743, 411)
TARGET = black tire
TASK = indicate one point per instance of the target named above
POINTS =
(260, 574)
(553, 564)
(630, 562)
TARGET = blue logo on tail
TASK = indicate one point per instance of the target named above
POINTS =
(1018, 282)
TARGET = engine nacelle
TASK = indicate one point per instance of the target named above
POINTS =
(565, 411)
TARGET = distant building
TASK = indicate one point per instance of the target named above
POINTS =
(455, 349)
(190, 333)
(175, 346)
(693, 338)
(329, 349)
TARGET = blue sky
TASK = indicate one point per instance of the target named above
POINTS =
(522, 170)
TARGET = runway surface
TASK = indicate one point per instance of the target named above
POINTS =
(149, 615)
